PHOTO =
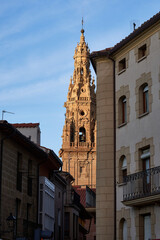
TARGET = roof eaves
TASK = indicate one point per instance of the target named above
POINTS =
(136, 32)
(8, 128)
(25, 125)
(98, 54)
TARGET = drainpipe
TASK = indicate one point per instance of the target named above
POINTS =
(1, 164)
(114, 117)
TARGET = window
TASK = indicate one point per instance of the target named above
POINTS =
(19, 172)
(59, 224)
(123, 169)
(142, 52)
(145, 163)
(30, 177)
(144, 99)
(123, 229)
(18, 206)
(28, 218)
(82, 134)
(122, 65)
(145, 226)
(67, 224)
(75, 227)
(122, 110)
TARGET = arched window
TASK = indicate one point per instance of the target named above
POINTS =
(143, 99)
(123, 229)
(122, 169)
(122, 110)
(82, 134)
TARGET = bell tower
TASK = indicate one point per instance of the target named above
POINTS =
(78, 150)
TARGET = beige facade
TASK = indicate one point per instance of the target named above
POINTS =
(132, 69)
(30, 130)
(78, 150)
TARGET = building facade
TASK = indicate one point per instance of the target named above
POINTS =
(128, 143)
(30, 130)
(19, 167)
(78, 150)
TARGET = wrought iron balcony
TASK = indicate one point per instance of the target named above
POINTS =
(142, 187)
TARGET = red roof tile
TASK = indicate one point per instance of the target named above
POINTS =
(82, 194)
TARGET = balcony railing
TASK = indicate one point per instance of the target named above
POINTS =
(142, 184)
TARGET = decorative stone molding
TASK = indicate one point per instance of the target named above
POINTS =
(123, 151)
(123, 214)
(126, 57)
(124, 91)
(145, 78)
(148, 43)
(146, 142)
(139, 214)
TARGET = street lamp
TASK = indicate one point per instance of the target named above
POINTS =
(11, 221)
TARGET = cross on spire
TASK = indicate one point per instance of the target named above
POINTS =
(82, 30)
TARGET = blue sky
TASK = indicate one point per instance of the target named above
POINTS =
(37, 43)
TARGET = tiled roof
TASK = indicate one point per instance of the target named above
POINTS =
(25, 125)
(136, 32)
(11, 131)
(52, 155)
(82, 194)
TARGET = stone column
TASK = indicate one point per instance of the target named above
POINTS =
(105, 150)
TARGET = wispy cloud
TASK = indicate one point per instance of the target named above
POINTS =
(35, 67)
(34, 90)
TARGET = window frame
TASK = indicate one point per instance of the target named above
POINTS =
(143, 100)
(122, 65)
(122, 111)
(122, 169)
(142, 52)
(19, 172)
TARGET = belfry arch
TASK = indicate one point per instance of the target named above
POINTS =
(82, 134)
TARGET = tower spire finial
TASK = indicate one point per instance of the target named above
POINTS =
(82, 30)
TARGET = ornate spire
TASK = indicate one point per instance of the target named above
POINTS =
(81, 61)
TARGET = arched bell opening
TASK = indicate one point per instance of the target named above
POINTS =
(82, 134)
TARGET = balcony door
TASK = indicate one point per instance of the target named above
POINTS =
(147, 227)
(146, 166)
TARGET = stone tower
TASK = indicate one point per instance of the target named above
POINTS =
(78, 150)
